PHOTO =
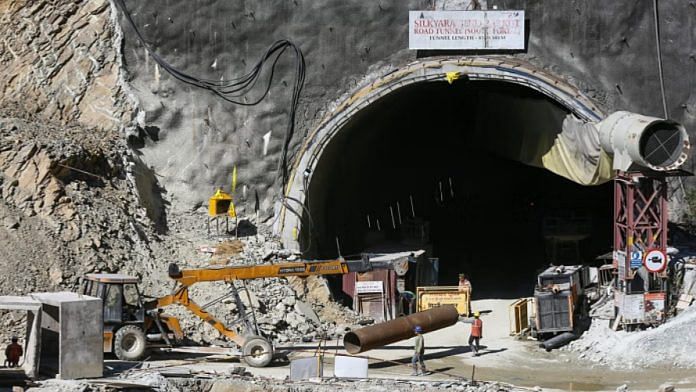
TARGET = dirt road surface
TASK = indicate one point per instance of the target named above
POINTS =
(503, 359)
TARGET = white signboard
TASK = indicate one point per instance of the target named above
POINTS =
(369, 286)
(466, 30)
(632, 307)
(620, 261)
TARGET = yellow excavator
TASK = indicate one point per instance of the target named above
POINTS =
(132, 325)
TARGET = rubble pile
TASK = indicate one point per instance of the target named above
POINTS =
(286, 310)
(76, 193)
(667, 346)
(69, 207)
(71, 194)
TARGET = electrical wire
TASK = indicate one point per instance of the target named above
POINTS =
(656, 19)
(230, 90)
(658, 46)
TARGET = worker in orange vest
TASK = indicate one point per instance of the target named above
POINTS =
(13, 352)
(476, 332)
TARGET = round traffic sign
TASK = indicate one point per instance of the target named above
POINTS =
(655, 260)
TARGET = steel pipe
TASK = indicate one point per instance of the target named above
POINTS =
(558, 341)
(401, 328)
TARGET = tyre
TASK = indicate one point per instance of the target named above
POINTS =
(257, 351)
(130, 343)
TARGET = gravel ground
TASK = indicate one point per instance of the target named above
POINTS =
(669, 345)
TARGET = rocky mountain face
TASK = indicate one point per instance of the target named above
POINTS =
(61, 62)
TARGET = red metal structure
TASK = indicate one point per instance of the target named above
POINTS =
(640, 225)
(640, 215)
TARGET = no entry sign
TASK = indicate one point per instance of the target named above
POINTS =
(655, 260)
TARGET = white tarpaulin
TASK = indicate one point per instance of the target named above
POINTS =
(577, 154)
(466, 30)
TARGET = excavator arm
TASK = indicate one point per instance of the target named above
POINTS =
(188, 277)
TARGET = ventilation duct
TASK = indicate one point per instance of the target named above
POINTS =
(650, 142)
(589, 153)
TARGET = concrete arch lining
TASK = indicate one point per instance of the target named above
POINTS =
(501, 69)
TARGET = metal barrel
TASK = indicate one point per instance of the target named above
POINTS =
(401, 328)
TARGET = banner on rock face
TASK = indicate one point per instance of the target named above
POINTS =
(468, 30)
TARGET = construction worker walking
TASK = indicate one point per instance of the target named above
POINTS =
(476, 332)
(13, 352)
(418, 352)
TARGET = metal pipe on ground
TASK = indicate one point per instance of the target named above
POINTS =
(558, 341)
(401, 328)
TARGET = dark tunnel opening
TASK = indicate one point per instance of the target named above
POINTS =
(463, 162)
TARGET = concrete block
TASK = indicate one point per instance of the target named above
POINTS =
(306, 368)
(72, 326)
(350, 367)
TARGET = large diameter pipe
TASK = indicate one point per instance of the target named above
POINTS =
(650, 142)
(401, 328)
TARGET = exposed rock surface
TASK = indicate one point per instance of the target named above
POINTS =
(71, 194)
(60, 61)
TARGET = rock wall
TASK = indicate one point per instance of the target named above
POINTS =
(68, 207)
(61, 62)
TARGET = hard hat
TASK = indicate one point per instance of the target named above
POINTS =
(418, 329)
(476, 314)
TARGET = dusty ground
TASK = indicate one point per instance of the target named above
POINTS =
(504, 360)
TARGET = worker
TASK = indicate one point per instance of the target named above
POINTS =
(476, 332)
(465, 285)
(418, 352)
(13, 352)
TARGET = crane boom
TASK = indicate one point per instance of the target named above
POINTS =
(187, 277)
(338, 266)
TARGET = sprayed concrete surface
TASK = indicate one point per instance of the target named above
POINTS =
(193, 139)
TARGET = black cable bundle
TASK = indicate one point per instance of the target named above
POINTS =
(237, 87)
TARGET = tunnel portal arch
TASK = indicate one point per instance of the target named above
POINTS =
(497, 69)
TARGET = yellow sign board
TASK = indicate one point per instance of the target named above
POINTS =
(433, 297)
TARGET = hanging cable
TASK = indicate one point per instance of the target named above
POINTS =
(659, 58)
(658, 46)
(231, 90)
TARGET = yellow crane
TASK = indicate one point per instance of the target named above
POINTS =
(131, 324)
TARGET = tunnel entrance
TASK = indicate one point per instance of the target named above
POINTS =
(462, 162)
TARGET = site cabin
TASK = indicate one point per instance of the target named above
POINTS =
(128, 324)
(560, 301)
